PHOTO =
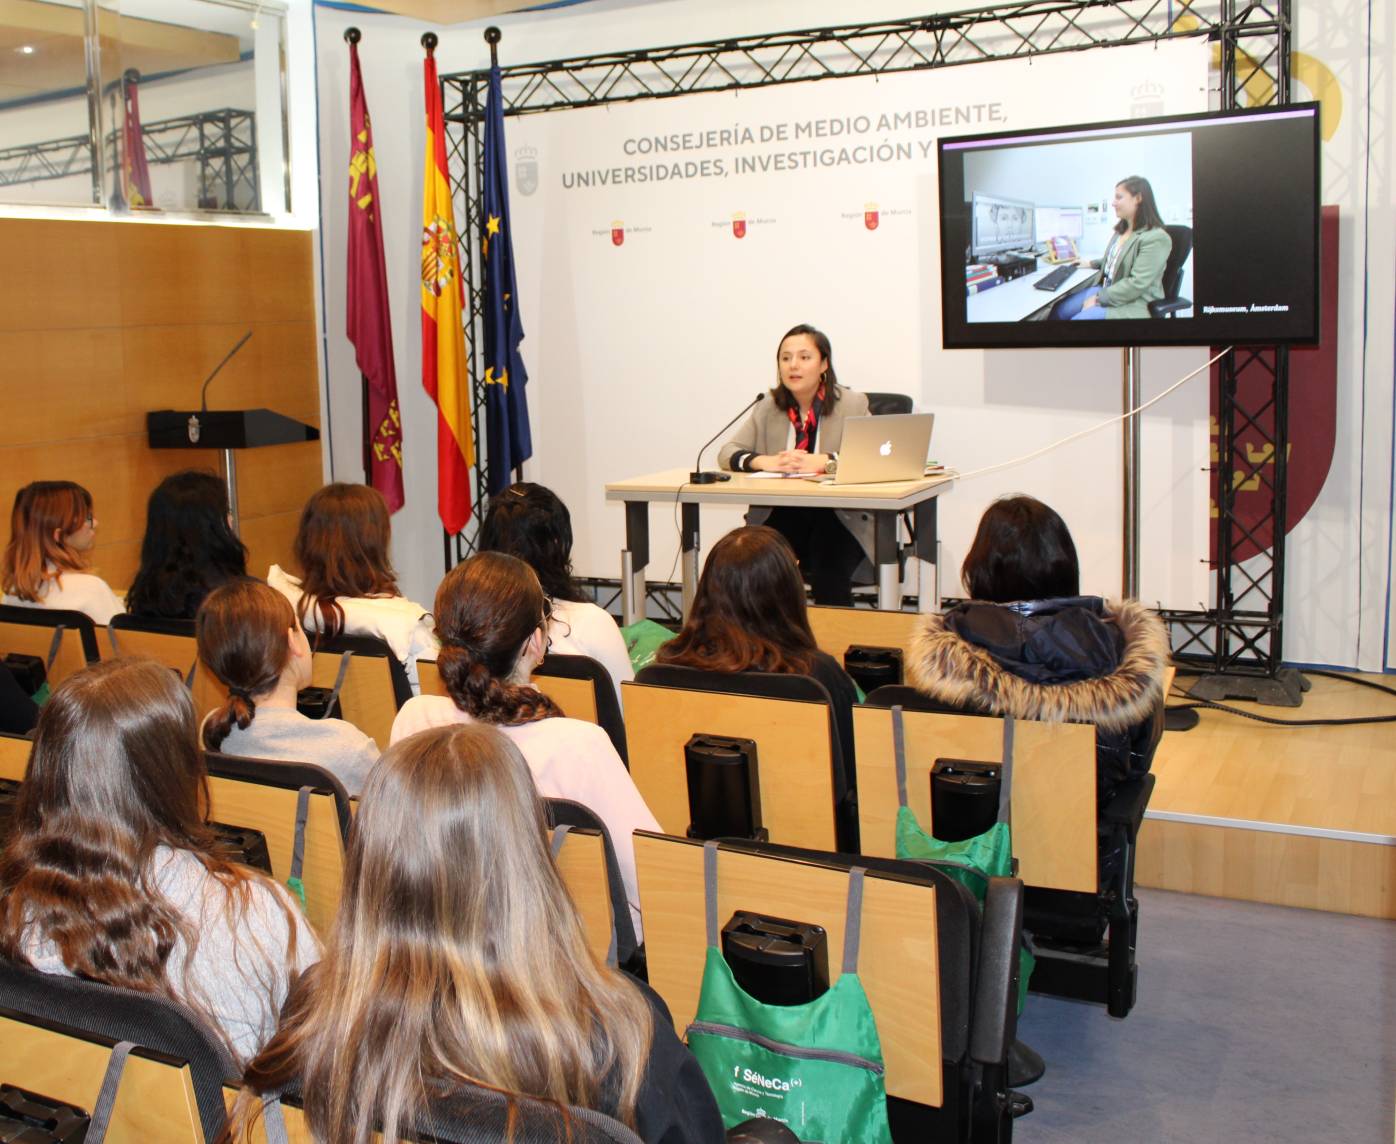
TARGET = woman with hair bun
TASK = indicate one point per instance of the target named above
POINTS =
(458, 959)
(112, 874)
(347, 584)
(52, 530)
(249, 639)
(492, 620)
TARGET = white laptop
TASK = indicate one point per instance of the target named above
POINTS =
(893, 447)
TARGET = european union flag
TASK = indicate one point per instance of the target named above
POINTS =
(509, 442)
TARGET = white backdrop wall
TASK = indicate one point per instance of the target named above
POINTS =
(590, 425)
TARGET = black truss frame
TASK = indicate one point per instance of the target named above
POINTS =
(1241, 632)
(223, 142)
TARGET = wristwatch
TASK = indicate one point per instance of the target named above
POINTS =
(831, 466)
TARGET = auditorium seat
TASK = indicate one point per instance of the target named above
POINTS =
(367, 678)
(58, 1034)
(172, 643)
(588, 864)
(788, 717)
(939, 974)
(1054, 817)
(837, 629)
(265, 795)
(14, 757)
(65, 641)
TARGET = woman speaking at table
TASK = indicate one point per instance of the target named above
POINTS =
(798, 431)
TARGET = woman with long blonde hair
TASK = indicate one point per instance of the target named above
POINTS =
(45, 565)
(457, 958)
(112, 873)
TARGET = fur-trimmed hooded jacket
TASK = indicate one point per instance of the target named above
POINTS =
(1078, 660)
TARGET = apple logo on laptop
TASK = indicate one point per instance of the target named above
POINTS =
(885, 448)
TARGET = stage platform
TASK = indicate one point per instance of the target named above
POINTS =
(1294, 816)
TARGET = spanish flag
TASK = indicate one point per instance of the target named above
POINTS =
(444, 371)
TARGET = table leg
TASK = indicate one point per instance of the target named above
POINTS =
(688, 532)
(889, 577)
(633, 559)
(927, 545)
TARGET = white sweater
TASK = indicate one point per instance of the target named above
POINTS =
(76, 592)
(569, 759)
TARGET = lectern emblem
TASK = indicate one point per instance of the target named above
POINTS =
(193, 429)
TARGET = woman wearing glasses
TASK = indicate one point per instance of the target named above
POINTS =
(492, 621)
(45, 565)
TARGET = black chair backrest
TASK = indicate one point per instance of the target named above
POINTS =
(883, 403)
(1181, 237)
(563, 812)
(124, 621)
(124, 1015)
(287, 775)
(370, 646)
(608, 713)
(79, 622)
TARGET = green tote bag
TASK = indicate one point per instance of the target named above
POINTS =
(817, 1068)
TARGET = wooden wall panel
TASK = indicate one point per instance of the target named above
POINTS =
(101, 322)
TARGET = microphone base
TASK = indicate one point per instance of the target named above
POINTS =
(699, 478)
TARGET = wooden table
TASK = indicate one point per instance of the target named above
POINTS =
(883, 501)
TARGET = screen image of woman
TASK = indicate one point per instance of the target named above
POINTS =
(799, 431)
(1131, 269)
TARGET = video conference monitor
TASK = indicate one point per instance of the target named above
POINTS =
(1184, 230)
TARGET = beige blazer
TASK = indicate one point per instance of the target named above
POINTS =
(768, 430)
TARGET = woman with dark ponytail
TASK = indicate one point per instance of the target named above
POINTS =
(250, 640)
(492, 620)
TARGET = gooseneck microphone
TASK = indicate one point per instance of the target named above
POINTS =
(698, 477)
(194, 427)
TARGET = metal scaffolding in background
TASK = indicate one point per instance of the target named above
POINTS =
(222, 142)
(1240, 634)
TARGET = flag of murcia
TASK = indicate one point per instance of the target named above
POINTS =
(870, 215)
(617, 233)
(739, 225)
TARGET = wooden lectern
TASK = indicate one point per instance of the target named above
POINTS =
(228, 430)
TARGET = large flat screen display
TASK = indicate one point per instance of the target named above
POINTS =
(1191, 230)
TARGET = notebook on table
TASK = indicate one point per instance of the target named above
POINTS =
(893, 447)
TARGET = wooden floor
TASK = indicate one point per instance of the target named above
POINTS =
(1308, 814)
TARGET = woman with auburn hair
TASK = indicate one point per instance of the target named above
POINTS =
(457, 958)
(52, 530)
(347, 584)
(189, 548)
(249, 639)
(492, 620)
(531, 522)
(749, 615)
(111, 872)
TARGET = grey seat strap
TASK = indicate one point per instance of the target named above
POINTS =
(344, 659)
(899, 751)
(111, 639)
(710, 888)
(298, 845)
(853, 920)
(275, 1121)
(106, 1094)
(54, 645)
(559, 837)
(1006, 772)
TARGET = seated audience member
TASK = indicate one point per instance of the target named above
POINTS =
(530, 522)
(189, 549)
(458, 958)
(52, 530)
(1028, 645)
(749, 615)
(347, 584)
(112, 874)
(492, 620)
(249, 638)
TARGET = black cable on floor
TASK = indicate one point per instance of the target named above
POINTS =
(1358, 720)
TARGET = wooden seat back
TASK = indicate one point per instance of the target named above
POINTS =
(838, 629)
(14, 757)
(576, 697)
(29, 631)
(582, 864)
(793, 752)
(155, 1100)
(1053, 786)
(898, 962)
(180, 653)
(367, 696)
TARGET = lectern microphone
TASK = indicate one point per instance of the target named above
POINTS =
(194, 427)
(698, 477)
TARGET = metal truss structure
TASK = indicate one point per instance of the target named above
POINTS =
(1240, 635)
(222, 142)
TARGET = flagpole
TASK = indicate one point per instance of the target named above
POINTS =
(492, 37)
(353, 36)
